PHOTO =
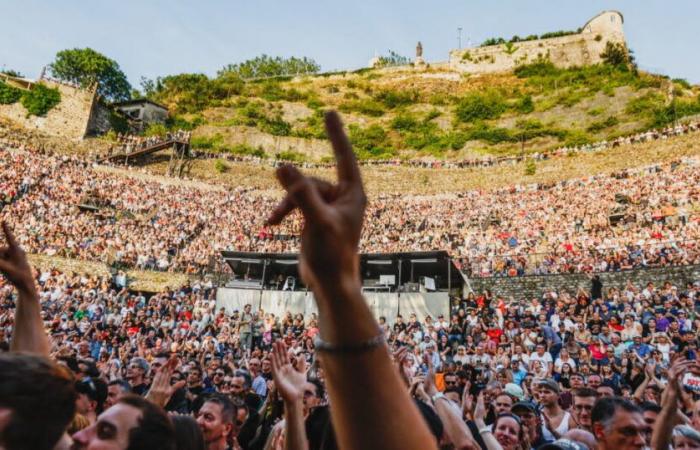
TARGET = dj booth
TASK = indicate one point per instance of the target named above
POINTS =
(392, 283)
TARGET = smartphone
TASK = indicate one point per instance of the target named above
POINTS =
(690, 355)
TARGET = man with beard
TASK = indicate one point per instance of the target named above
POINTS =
(216, 420)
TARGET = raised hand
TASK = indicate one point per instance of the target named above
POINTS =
(14, 264)
(161, 390)
(333, 214)
(289, 382)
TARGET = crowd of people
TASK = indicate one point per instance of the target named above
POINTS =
(95, 366)
(642, 217)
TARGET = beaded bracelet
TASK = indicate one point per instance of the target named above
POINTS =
(360, 347)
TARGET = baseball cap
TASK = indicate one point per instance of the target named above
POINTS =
(525, 405)
(563, 444)
(515, 391)
(549, 384)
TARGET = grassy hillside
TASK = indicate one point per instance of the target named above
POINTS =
(401, 112)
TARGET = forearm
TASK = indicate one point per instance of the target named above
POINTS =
(370, 404)
(663, 428)
(488, 437)
(295, 433)
(456, 430)
(29, 335)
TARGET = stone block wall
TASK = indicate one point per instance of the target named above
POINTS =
(529, 287)
(68, 119)
(579, 49)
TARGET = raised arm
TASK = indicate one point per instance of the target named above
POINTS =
(28, 335)
(456, 429)
(291, 384)
(669, 417)
(371, 408)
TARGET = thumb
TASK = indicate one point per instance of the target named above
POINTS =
(179, 385)
(303, 192)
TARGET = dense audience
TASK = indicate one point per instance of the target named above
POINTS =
(644, 217)
(97, 366)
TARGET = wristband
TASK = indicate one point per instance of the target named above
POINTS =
(438, 396)
(359, 347)
(484, 430)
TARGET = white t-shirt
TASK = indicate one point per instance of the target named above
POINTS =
(545, 359)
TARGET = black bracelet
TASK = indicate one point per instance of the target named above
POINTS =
(360, 347)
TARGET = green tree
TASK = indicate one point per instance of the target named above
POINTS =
(269, 66)
(393, 59)
(617, 55)
(85, 66)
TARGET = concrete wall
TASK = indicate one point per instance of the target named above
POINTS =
(580, 49)
(68, 119)
(529, 287)
(99, 122)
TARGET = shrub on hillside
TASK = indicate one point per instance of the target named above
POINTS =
(480, 106)
(530, 167)
(404, 122)
(40, 99)
(395, 99)
(525, 105)
(9, 94)
(366, 107)
(598, 126)
(370, 142)
(220, 166)
(290, 156)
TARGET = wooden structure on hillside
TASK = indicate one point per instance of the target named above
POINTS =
(179, 158)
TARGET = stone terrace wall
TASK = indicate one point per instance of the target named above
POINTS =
(68, 119)
(581, 49)
(535, 286)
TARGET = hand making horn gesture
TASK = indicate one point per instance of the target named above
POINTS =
(333, 213)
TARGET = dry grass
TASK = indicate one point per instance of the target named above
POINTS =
(139, 280)
(408, 180)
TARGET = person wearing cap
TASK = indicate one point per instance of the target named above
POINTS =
(555, 418)
(564, 444)
(528, 412)
(685, 437)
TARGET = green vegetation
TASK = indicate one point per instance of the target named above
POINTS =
(290, 156)
(597, 127)
(85, 66)
(617, 55)
(480, 106)
(532, 37)
(396, 99)
(530, 167)
(9, 94)
(393, 59)
(220, 166)
(267, 66)
(40, 99)
(371, 142)
(366, 107)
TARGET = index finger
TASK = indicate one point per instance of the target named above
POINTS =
(9, 237)
(348, 169)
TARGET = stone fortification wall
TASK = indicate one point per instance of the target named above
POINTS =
(579, 49)
(529, 287)
(68, 119)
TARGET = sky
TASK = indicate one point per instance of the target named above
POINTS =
(151, 38)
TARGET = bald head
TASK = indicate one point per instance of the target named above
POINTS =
(584, 437)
